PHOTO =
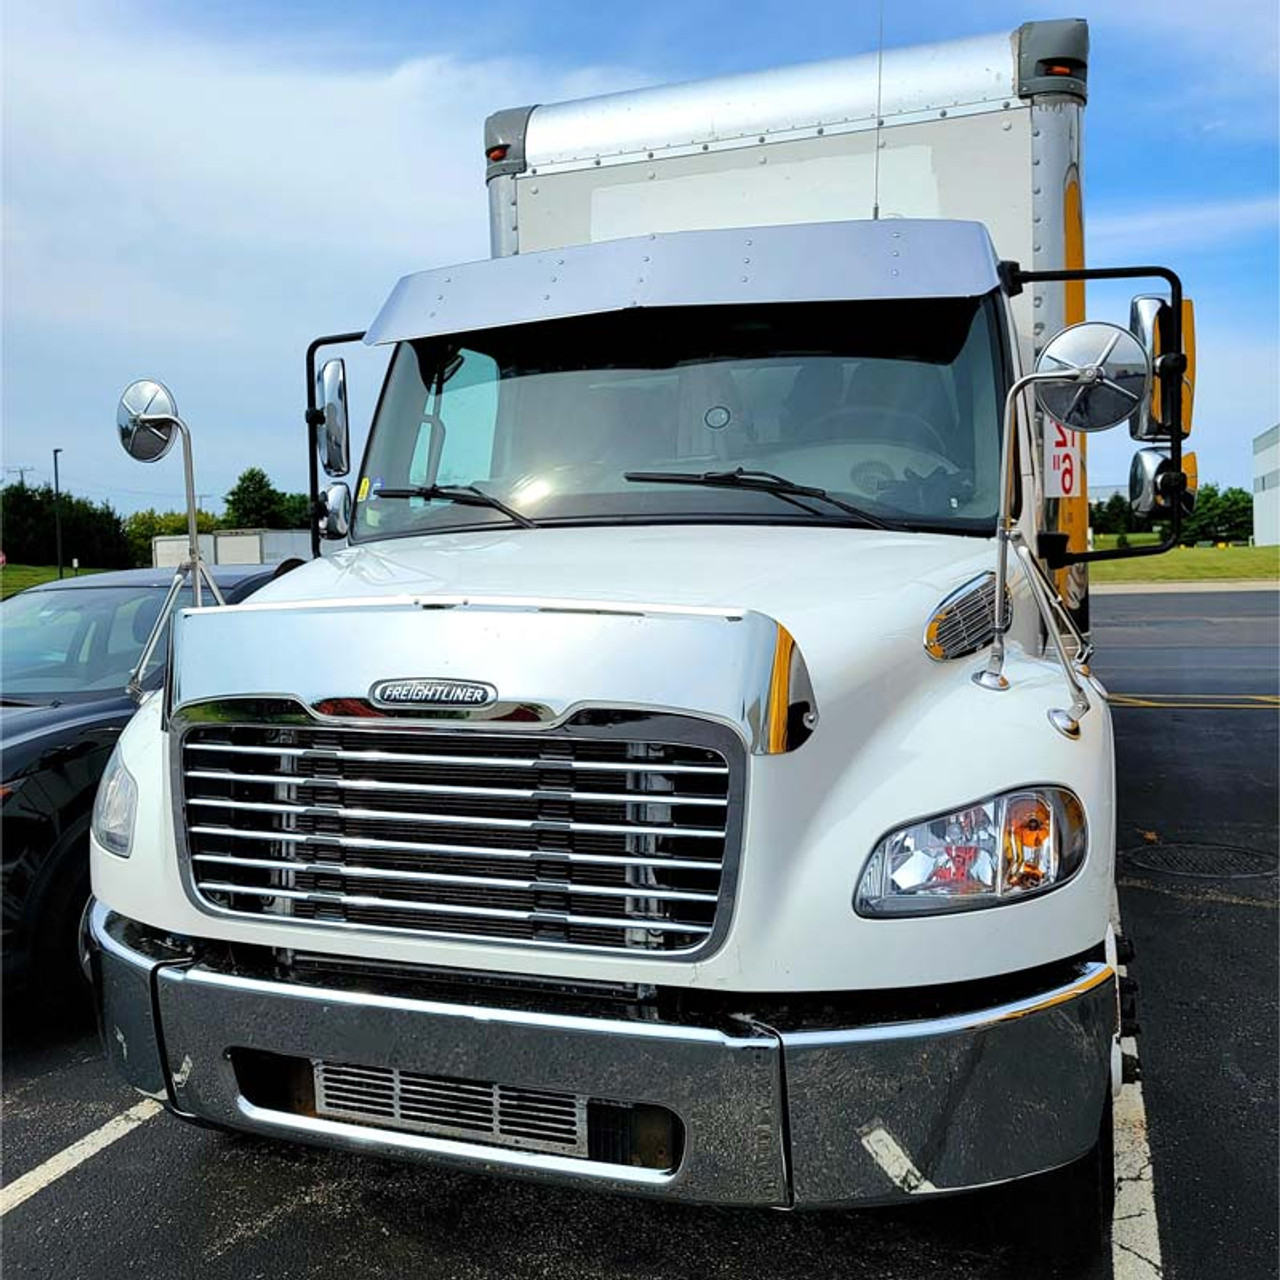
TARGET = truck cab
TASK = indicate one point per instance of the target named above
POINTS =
(684, 775)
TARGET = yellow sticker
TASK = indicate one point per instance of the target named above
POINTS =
(364, 489)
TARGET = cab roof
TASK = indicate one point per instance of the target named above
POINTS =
(898, 258)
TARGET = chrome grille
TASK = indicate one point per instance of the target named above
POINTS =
(545, 840)
(493, 1114)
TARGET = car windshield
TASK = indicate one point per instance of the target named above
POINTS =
(77, 640)
(893, 406)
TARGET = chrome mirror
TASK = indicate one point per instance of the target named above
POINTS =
(1150, 488)
(1144, 323)
(1109, 372)
(335, 432)
(147, 420)
(335, 518)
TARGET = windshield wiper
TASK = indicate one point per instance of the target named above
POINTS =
(761, 482)
(466, 495)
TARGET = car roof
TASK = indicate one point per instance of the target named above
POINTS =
(225, 575)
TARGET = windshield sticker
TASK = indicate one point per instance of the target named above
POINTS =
(363, 492)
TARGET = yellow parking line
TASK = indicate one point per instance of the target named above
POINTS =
(1198, 701)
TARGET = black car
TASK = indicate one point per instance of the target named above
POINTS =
(66, 653)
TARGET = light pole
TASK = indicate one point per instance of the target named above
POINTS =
(57, 510)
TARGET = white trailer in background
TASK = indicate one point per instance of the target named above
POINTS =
(235, 546)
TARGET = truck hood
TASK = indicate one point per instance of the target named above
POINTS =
(778, 569)
(855, 601)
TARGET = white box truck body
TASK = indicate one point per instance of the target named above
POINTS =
(654, 793)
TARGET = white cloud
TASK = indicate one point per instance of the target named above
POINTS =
(199, 211)
(1154, 230)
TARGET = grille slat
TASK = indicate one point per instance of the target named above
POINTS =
(446, 908)
(504, 762)
(432, 877)
(419, 788)
(454, 819)
(476, 851)
(561, 840)
(489, 1113)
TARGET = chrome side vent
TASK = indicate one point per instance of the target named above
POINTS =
(964, 621)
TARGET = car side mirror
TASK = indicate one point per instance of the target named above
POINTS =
(335, 431)
(335, 513)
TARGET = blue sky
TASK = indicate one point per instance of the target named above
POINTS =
(193, 191)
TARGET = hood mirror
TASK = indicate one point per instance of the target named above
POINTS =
(1109, 372)
(147, 420)
(335, 432)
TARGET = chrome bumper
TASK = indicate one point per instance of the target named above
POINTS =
(874, 1113)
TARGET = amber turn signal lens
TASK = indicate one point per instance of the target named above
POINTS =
(1029, 854)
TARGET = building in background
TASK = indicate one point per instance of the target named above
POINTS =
(1266, 488)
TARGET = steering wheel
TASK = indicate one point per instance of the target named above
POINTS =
(860, 415)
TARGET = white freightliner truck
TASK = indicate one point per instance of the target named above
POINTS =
(687, 778)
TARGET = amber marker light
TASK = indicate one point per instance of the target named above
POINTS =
(1028, 851)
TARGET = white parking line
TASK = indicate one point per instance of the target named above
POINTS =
(76, 1154)
(1135, 1239)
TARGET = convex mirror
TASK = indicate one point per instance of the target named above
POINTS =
(335, 513)
(335, 431)
(147, 420)
(1151, 482)
(1113, 376)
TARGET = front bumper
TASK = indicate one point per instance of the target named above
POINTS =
(877, 1112)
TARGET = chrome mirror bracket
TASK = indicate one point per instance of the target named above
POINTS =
(992, 675)
(1067, 722)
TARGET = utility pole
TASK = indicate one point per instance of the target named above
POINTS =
(22, 473)
(57, 510)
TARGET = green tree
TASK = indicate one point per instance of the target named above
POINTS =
(254, 502)
(142, 526)
(92, 532)
(1202, 524)
(296, 511)
(1236, 518)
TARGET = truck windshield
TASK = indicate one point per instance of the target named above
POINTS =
(893, 406)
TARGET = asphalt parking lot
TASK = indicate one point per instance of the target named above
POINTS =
(1196, 683)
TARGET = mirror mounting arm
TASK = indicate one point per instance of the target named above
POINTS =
(314, 417)
(992, 675)
(1169, 369)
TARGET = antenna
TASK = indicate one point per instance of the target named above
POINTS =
(875, 178)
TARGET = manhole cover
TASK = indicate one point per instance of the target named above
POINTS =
(1209, 861)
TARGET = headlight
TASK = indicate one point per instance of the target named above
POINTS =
(114, 808)
(997, 850)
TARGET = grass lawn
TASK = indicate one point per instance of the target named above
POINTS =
(18, 577)
(1106, 541)
(1193, 564)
